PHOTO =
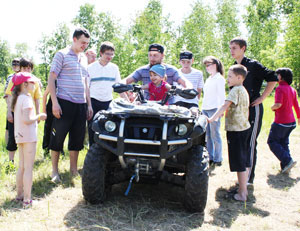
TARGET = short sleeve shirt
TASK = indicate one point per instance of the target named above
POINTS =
(71, 71)
(24, 133)
(238, 112)
(101, 79)
(196, 78)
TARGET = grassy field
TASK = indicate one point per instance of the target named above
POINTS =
(274, 202)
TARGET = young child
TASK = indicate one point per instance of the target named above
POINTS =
(158, 85)
(25, 132)
(25, 66)
(284, 123)
(237, 127)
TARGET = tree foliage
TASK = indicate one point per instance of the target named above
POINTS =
(4, 59)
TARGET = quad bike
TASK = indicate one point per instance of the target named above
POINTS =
(148, 142)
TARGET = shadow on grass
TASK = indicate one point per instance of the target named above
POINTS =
(229, 209)
(40, 188)
(147, 207)
(282, 181)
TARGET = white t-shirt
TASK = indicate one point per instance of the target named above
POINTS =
(24, 133)
(196, 78)
(101, 79)
(213, 92)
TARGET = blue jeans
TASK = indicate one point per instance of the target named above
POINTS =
(213, 137)
(278, 141)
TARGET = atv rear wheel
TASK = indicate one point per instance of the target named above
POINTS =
(196, 184)
(94, 184)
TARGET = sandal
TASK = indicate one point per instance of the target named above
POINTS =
(19, 199)
(27, 204)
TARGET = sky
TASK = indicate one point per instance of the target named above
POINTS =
(26, 21)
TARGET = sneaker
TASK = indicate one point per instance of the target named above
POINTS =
(56, 179)
(289, 166)
(218, 163)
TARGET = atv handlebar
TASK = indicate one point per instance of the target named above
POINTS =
(185, 93)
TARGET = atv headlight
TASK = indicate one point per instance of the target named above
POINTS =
(182, 129)
(110, 126)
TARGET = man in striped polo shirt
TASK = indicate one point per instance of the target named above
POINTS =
(71, 104)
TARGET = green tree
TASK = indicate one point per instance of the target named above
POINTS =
(21, 50)
(49, 45)
(228, 26)
(263, 24)
(292, 43)
(5, 59)
(150, 26)
(102, 26)
(198, 33)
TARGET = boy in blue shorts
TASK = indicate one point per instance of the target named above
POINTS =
(237, 126)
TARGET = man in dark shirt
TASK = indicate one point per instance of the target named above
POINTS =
(257, 73)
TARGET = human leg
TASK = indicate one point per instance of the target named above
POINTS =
(217, 140)
(97, 106)
(29, 150)
(278, 142)
(73, 162)
(209, 140)
(255, 119)
(11, 143)
(242, 191)
(20, 173)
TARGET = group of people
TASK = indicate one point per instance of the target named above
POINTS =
(80, 86)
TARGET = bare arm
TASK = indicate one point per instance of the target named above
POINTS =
(10, 117)
(184, 82)
(276, 106)
(56, 110)
(46, 93)
(220, 111)
(29, 118)
(269, 88)
(199, 91)
(88, 100)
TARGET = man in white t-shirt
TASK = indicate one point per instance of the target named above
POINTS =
(193, 75)
(102, 75)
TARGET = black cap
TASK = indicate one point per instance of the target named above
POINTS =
(156, 47)
(186, 55)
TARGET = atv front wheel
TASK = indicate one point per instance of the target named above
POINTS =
(196, 184)
(94, 174)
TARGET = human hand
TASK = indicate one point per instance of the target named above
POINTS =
(89, 113)
(258, 101)
(56, 111)
(10, 117)
(42, 116)
(298, 121)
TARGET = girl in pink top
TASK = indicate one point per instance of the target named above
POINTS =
(25, 132)
(158, 86)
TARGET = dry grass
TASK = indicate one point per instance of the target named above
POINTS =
(274, 202)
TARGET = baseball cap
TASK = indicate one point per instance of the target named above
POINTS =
(156, 47)
(159, 70)
(186, 55)
(22, 77)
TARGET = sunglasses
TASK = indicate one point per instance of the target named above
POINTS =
(15, 64)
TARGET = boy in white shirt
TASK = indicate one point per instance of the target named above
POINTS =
(193, 75)
(102, 75)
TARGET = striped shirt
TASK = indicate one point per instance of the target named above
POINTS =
(101, 79)
(71, 71)
(196, 78)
